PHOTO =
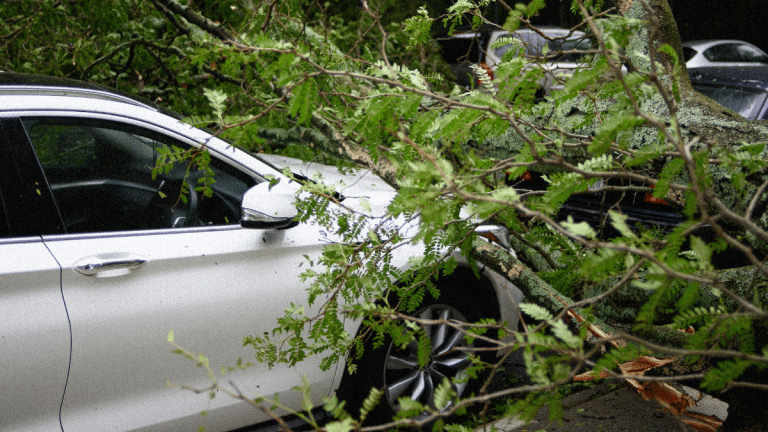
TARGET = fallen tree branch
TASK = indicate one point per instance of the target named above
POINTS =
(672, 396)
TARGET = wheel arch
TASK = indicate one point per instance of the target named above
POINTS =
(483, 288)
(487, 287)
(493, 286)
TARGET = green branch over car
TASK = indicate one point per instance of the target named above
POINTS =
(618, 192)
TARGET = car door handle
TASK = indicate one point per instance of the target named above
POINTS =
(94, 265)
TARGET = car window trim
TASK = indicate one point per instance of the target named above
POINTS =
(136, 233)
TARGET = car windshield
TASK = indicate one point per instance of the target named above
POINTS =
(571, 50)
(747, 102)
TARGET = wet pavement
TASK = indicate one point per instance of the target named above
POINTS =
(609, 408)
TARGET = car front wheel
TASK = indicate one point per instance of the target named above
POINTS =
(450, 357)
(396, 369)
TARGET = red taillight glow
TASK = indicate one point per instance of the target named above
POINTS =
(649, 198)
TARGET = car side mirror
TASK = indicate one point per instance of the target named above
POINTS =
(263, 208)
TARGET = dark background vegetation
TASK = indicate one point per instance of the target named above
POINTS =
(696, 19)
(717, 19)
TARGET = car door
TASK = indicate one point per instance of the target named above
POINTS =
(34, 329)
(34, 337)
(128, 280)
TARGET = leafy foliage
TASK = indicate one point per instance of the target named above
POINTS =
(347, 83)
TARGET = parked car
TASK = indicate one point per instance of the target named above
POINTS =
(557, 51)
(723, 52)
(743, 90)
(640, 208)
(101, 261)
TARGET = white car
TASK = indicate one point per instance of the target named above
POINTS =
(101, 261)
(722, 52)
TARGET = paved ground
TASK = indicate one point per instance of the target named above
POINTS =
(603, 408)
(616, 407)
(607, 408)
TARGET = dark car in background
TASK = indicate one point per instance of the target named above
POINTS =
(640, 208)
(742, 89)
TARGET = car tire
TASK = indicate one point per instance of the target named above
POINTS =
(396, 370)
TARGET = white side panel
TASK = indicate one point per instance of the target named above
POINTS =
(34, 338)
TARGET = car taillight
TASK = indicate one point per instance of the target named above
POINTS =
(649, 198)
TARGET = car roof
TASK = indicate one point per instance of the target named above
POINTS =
(704, 44)
(469, 32)
(40, 85)
(709, 42)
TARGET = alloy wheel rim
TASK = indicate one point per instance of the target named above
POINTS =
(449, 359)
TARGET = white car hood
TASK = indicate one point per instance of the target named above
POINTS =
(356, 185)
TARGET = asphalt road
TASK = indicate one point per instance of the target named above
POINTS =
(619, 408)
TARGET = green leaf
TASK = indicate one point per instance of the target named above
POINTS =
(443, 393)
(671, 169)
(619, 221)
(418, 28)
(344, 425)
(562, 332)
(537, 312)
(409, 408)
(303, 102)
(217, 100)
(582, 229)
(722, 375)
(609, 130)
(371, 401)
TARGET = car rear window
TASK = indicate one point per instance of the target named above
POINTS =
(735, 52)
(461, 49)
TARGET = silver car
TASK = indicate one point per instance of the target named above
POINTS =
(559, 56)
(101, 260)
(558, 52)
(722, 52)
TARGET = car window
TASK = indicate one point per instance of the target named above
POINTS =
(688, 53)
(101, 177)
(5, 230)
(752, 55)
(734, 52)
(5, 157)
(568, 50)
(571, 50)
